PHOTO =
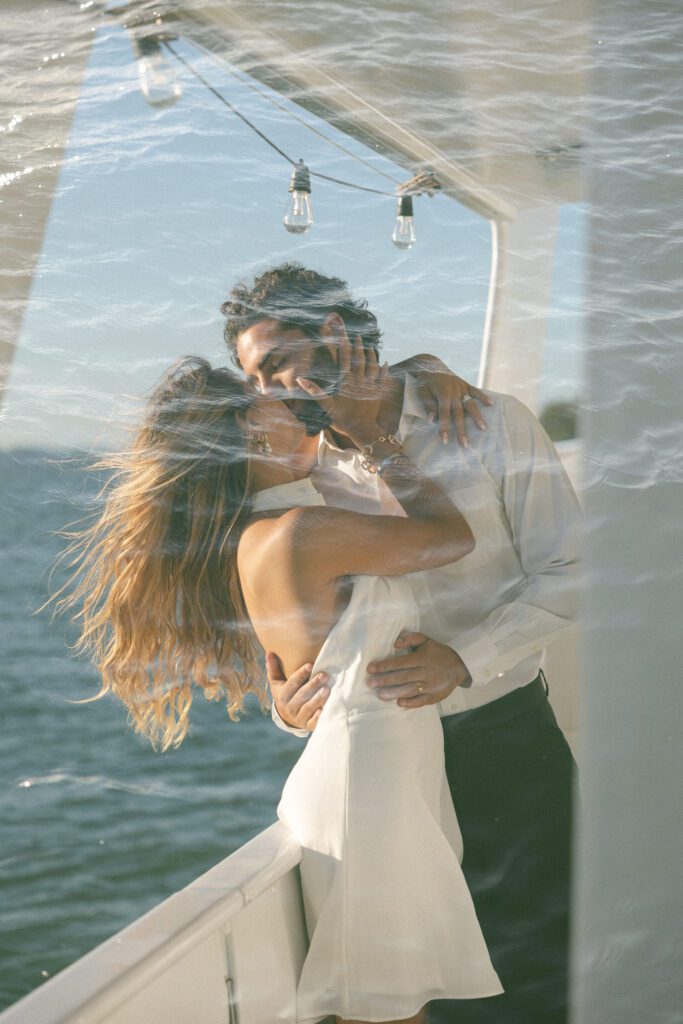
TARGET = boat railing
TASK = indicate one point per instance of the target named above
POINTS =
(226, 949)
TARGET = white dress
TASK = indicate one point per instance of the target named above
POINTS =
(390, 919)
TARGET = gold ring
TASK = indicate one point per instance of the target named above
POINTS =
(419, 688)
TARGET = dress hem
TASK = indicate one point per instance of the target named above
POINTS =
(391, 1015)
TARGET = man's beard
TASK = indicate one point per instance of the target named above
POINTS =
(312, 415)
(324, 372)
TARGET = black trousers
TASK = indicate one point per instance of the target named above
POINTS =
(512, 778)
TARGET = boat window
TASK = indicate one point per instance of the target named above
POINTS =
(159, 211)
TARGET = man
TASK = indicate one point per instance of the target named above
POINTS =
(486, 621)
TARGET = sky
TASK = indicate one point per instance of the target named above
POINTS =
(158, 212)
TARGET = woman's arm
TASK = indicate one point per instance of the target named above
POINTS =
(333, 543)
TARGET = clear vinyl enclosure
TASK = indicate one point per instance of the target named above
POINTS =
(547, 267)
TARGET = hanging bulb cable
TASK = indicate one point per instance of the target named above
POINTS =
(423, 182)
(246, 81)
(299, 216)
(404, 229)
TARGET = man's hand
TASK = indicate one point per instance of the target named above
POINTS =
(299, 700)
(447, 397)
(354, 404)
(426, 675)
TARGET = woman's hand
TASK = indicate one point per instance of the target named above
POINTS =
(446, 396)
(354, 404)
(299, 700)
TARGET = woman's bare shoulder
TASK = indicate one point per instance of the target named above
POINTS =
(283, 566)
(297, 534)
(289, 591)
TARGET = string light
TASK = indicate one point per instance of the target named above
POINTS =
(404, 229)
(158, 81)
(160, 88)
(299, 216)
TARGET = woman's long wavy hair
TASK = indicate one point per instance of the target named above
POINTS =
(154, 580)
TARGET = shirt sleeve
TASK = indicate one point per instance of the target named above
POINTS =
(281, 724)
(544, 518)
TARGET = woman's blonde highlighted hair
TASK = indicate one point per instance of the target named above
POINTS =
(155, 580)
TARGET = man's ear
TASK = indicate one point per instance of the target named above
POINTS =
(333, 335)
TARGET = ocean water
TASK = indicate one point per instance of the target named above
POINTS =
(96, 826)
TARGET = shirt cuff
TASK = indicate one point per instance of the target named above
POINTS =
(479, 653)
(281, 724)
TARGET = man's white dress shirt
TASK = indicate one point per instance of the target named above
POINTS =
(506, 601)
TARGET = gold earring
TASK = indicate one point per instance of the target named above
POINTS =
(261, 443)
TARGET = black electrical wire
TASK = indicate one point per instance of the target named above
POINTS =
(243, 80)
(227, 103)
(250, 124)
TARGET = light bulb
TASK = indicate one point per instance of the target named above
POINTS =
(158, 82)
(404, 229)
(299, 215)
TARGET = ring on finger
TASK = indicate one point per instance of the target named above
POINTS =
(419, 689)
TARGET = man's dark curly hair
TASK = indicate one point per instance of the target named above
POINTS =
(296, 298)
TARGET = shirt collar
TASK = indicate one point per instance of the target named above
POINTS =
(413, 406)
(412, 403)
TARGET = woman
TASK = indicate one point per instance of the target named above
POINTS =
(213, 537)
